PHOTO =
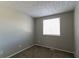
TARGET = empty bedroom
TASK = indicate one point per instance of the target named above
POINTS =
(39, 29)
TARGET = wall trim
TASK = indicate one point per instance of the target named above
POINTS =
(41, 46)
(19, 51)
(51, 48)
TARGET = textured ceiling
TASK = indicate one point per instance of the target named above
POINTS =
(40, 8)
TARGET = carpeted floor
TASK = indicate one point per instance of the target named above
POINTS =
(42, 52)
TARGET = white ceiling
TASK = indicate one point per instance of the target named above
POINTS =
(40, 8)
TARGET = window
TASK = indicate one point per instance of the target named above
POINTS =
(51, 27)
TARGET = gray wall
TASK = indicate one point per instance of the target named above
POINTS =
(76, 24)
(16, 31)
(65, 41)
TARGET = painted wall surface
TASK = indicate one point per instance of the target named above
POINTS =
(76, 30)
(16, 31)
(65, 41)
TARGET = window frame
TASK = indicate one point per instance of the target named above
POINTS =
(53, 34)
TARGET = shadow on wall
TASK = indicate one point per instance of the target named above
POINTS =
(66, 39)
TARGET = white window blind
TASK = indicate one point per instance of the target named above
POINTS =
(51, 26)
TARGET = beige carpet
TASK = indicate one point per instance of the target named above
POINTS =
(42, 52)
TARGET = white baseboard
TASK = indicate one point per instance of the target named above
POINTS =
(19, 51)
(38, 45)
(51, 48)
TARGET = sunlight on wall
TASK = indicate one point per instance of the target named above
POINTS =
(16, 29)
